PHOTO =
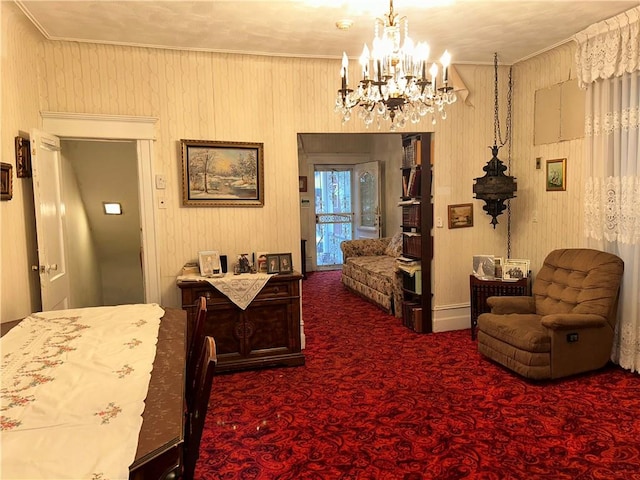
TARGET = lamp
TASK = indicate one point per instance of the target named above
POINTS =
(396, 84)
(495, 188)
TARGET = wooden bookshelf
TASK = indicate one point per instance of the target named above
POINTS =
(417, 228)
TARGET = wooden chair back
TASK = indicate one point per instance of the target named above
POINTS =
(197, 410)
(195, 347)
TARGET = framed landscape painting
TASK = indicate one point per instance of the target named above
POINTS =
(222, 174)
(461, 215)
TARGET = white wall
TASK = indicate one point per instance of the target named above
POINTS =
(85, 282)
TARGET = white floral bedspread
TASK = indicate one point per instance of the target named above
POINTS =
(73, 389)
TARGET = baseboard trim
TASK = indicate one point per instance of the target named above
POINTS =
(451, 317)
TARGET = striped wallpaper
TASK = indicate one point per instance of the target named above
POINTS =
(210, 96)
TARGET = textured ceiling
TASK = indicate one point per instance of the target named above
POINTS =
(470, 29)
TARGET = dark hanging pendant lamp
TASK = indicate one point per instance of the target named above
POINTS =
(495, 188)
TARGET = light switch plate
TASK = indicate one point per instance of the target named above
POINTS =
(161, 182)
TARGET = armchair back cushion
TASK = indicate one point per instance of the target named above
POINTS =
(578, 281)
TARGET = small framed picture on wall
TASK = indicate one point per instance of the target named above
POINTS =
(460, 215)
(302, 184)
(557, 175)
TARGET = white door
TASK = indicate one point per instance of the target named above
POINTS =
(367, 200)
(49, 210)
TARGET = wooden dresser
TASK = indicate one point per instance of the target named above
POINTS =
(266, 334)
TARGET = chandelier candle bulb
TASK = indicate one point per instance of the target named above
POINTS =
(434, 74)
(364, 61)
(445, 60)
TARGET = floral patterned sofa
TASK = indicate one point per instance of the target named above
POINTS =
(369, 270)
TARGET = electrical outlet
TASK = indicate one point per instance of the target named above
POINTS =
(439, 222)
(538, 163)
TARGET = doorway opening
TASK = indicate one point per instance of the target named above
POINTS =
(105, 267)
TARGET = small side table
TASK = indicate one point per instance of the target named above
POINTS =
(483, 289)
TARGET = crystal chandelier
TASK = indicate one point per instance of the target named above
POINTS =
(400, 88)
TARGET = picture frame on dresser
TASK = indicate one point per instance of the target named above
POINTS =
(484, 266)
(209, 262)
(273, 263)
(261, 262)
(222, 174)
(286, 265)
(515, 269)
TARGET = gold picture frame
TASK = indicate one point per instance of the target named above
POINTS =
(222, 174)
(556, 179)
(460, 215)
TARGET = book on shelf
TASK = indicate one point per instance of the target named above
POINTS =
(407, 157)
(413, 187)
(412, 153)
(407, 261)
(411, 244)
(417, 151)
(411, 182)
(412, 316)
(411, 215)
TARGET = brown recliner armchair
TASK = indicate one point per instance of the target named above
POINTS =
(566, 327)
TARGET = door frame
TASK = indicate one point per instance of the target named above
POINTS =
(122, 127)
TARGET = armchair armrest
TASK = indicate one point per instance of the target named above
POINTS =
(511, 304)
(565, 321)
(364, 247)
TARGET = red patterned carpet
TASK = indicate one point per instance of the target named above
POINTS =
(376, 401)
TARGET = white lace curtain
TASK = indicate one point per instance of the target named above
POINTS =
(608, 62)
